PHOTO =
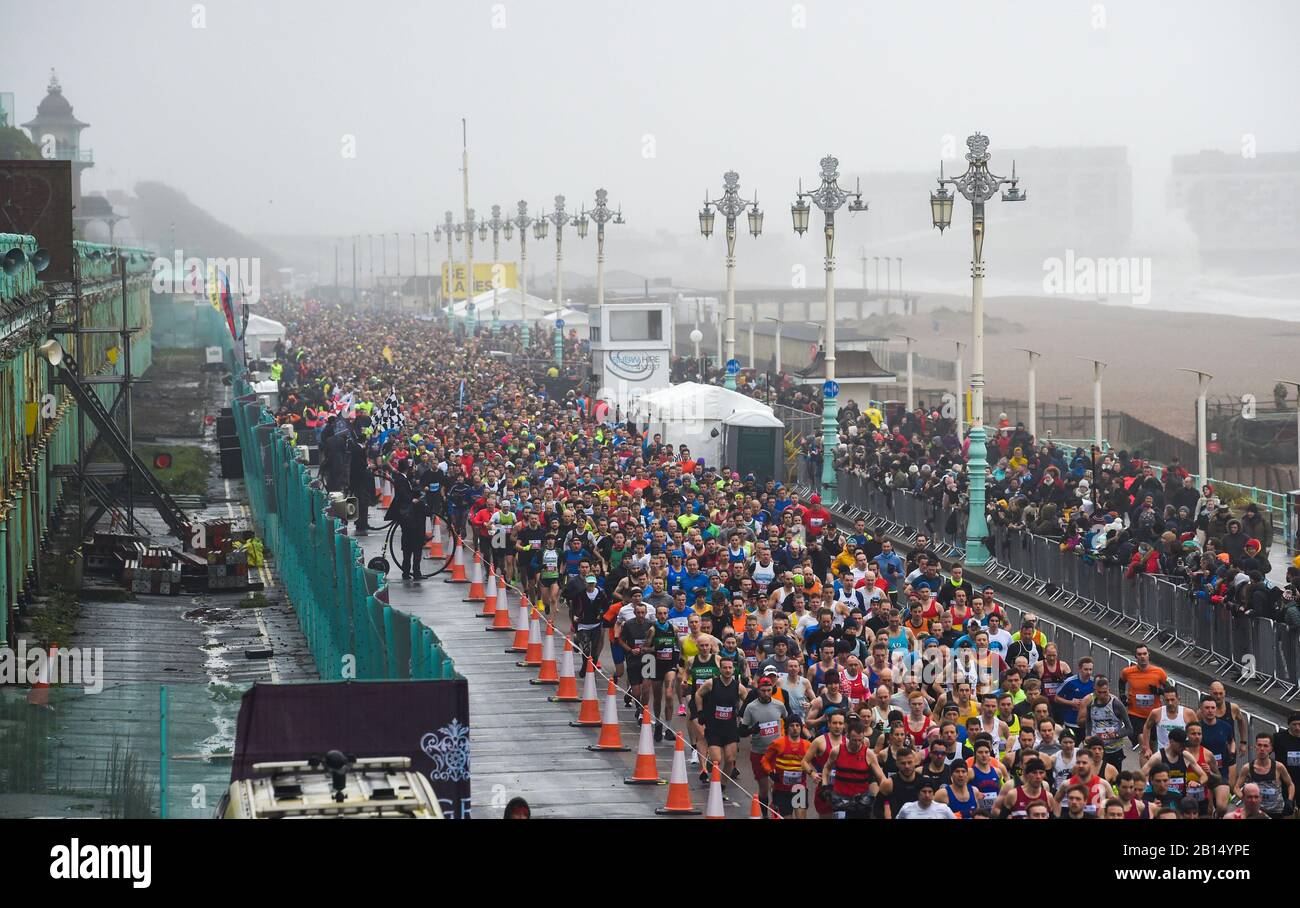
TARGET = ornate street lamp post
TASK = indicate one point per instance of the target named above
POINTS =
(495, 223)
(450, 230)
(977, 185)
(523, 222)
(601, 214)
(732, 206)
(829, 197)
(559, 217)
(469, 226)
(428, 269)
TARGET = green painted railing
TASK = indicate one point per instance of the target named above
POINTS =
(29, 490)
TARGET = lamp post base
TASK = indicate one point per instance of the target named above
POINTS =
(977, 528)
(729, 383)
(830, 440)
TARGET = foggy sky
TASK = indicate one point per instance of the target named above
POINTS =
(247, 115)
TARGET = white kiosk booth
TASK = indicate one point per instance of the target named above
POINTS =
(631, 352)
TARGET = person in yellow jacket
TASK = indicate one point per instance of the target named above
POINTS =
(844, 561)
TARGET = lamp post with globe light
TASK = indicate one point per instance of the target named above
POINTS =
(731, 205)
(829, 197)
(977, 185)
(696, 336)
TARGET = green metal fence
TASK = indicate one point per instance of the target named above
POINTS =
(126, 751)
(342, 605)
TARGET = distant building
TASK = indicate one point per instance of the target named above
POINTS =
(1078, 198)
(1242, 210)
(54, 119)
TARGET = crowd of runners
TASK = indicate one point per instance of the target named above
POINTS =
(835, 674)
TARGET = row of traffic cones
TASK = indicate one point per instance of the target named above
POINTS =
(539, 652)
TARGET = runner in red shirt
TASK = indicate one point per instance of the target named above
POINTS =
(816, 518)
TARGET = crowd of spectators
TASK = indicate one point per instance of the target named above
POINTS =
(1108, 507)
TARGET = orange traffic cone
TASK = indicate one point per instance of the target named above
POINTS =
(589, 712)
(611, 736)
(435, 542)
(567, 692)
(490, 594)
(39, 694)
(501, 619)
(476, 580)
(548, 675)
(533, 650)
(645, 772)
(713, 810)
(679, 790)
(520, 644)
(755, 809)
(387, 498)
(458, 566)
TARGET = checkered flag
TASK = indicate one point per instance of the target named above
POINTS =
(389, 415)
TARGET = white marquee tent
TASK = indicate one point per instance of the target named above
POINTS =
(514, 307)
(695, 415)
(261, 336)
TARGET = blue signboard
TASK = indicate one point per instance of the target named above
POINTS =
(831, 390)
(559, 323)
(733, 366)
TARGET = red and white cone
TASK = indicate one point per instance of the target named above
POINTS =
(589, 712)
(567, 692)
(679, 789)
(490, 595)
(645, 772)
(501, 619)
(475, 579)
(435, 542)
(533, 650)
(520, 643)
(548, 674)
(714, 811)
(458, 567)
(611, 736)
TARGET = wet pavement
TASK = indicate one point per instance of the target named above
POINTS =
(521, 744)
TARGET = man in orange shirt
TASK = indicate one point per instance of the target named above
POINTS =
(783, 760)
(1140, 685)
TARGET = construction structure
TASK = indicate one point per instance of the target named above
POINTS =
(75, 336)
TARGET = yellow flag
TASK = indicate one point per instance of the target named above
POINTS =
(388, 355)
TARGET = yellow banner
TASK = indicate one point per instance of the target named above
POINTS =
(487, 275)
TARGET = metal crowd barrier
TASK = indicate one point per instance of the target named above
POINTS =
(1153, 608)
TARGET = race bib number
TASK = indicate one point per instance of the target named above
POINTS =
(664, 653)
(1293, 758)
(768, 729)
(723, 713)
(791, 777)
(1145, 701)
